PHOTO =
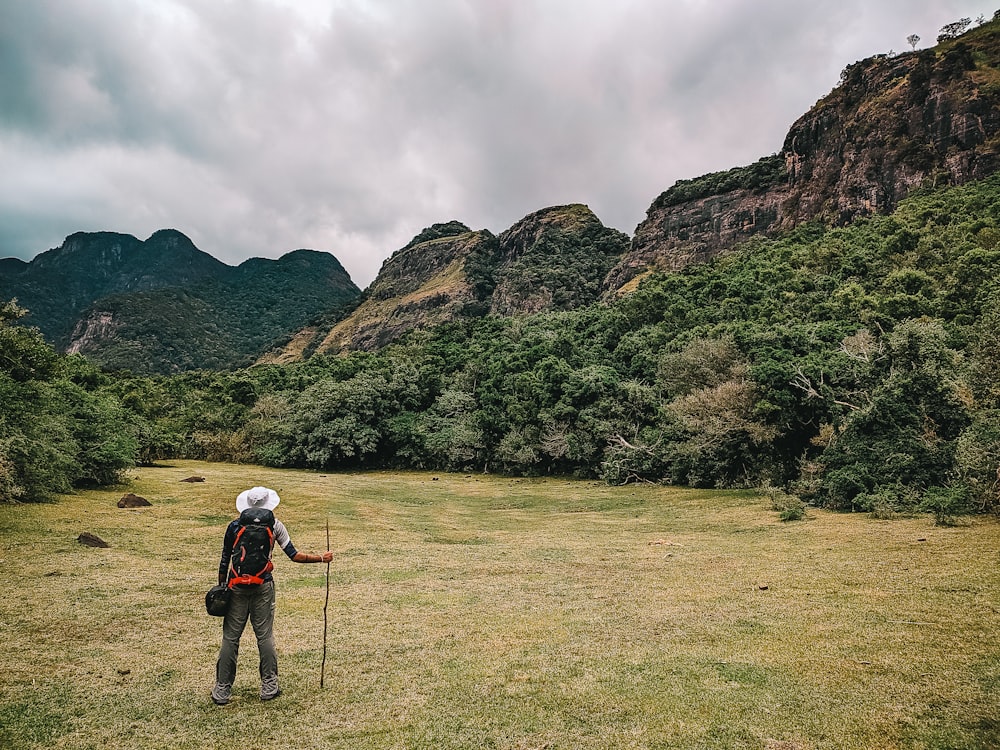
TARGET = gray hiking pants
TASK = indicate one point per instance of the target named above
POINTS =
(257, 605)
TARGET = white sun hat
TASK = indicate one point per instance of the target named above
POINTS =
(257, 497)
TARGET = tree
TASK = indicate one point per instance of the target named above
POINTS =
(902, 438)
(24, 354)
(453, 437)
(723, 437)
(106, 443)
(954, 29)
(912, 40)
(37, 449)
(977, 459)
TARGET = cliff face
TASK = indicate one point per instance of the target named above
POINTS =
(894, 124)
(422, 285)
(554, 259)
(89, 332)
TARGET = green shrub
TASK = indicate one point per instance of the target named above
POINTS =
(887, 502)
(977, 459)
(789, 507)
(947, 503)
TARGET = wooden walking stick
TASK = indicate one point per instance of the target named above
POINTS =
(322, 667)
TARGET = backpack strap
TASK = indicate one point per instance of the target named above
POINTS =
(249, 579)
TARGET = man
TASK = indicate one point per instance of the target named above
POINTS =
(253, 601)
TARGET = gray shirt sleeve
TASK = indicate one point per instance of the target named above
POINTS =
(283, 540)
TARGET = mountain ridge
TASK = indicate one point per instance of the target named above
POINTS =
(893, 124)
(163, 305)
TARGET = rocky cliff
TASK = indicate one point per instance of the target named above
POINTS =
(554, 259)
(421, 285)
(894, 124)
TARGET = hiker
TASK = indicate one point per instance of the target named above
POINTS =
(252, 591)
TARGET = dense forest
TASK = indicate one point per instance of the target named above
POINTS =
(853, 368)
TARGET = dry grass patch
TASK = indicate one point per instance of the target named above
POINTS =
(471, 611)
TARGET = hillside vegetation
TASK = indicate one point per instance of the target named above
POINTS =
(854, 368)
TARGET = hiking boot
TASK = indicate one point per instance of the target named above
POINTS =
(271, 697)
(221, 695)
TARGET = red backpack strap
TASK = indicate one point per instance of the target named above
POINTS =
(238, 580)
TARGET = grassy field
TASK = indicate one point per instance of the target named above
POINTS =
(484, 612)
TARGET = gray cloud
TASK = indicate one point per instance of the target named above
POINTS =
(266, 125)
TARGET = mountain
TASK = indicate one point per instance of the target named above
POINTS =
(924, 118)
(421, 285)
(553, 259)
(59, 284)
(162, 305)
(893, 125)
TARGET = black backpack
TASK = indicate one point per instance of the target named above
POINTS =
(251, 557)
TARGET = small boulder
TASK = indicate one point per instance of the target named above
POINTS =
(133, 501)
(91, 540)
(194, 479)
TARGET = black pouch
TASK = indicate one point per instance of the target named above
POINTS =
(217, 600)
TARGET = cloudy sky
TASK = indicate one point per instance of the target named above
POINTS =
(260, 126)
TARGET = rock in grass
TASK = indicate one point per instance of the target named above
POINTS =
(194, 479)
(133, 501)
(91, 540)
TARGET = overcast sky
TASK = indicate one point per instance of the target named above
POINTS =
(257, 127)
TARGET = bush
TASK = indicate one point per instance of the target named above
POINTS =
(789, 507)
(887, 502)
(977, 460)
(947, 503)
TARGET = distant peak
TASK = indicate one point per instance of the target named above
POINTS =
(169, 234)
(437, 231)
(98, 235)
(303, 257)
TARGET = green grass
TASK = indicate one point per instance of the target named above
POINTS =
(485, 612)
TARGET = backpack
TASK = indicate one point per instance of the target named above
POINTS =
(251, 557)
